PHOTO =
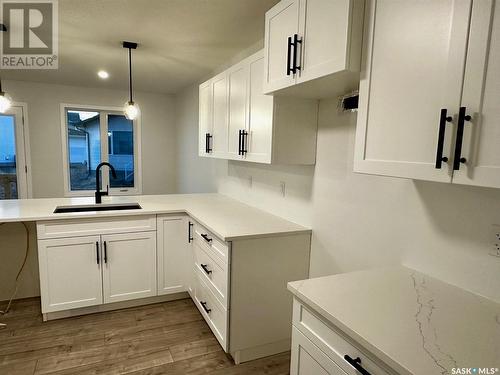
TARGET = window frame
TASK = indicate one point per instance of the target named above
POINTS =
(104, 111)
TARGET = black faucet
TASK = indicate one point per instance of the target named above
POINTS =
(98, 192)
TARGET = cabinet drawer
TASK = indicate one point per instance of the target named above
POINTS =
(207, 241)
(92, 226)
(211, 309)
(332, 343)
(308, 359)
(213, 273)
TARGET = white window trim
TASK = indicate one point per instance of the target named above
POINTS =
(137, 190)
(25, 192)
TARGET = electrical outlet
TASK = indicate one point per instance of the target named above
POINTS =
(283, 188)
(495, 240)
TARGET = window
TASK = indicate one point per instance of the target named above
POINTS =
(94, 135)
(13, 155)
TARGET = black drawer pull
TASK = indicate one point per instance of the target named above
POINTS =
(206, 238)
(444, 118)
(356, 363)
(97, 251)
(204, 305)
(205, 268)
(105, 252)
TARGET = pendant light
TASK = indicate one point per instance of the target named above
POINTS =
(131, 109)
(5, 100)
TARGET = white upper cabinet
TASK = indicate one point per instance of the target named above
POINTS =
(205, 119)
(412, 74)
(282, 23)
(480, 152)
(310, 39)
(238, 107)
(220, 115)
(429, 92)
(251, 126)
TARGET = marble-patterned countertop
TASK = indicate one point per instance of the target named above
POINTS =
(227, 218)
(414, 323)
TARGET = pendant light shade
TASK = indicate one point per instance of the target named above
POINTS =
(131, 109)
(5, 100)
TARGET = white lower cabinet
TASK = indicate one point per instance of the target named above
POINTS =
(96, 263)
(129, 269)
(70, 273)
(86, 263)
(173, 254)
(319, 348)
(308, 359)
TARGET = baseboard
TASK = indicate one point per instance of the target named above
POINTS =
(114, 306)
(256, 352)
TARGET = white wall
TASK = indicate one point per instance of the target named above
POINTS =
(362, 221)
(158, 133)
(194, 174)
(158, 161)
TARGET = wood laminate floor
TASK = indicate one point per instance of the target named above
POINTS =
(164, 338)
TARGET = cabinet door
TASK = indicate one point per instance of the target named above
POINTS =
(308, 359)
(129, 270)
(412, 68)
(70, 273)
(172, 241)
(238, 107)
(481, 140)
(205, 116)
(220, 115)
(327, 28)
(260, 125)
(282, 22)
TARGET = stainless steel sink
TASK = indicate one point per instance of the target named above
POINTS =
(97, 207)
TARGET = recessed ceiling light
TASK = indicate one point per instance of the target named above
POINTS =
(103, 74)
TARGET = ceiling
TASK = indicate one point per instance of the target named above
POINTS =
(180, 41)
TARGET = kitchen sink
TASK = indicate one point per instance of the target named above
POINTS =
(97, 207)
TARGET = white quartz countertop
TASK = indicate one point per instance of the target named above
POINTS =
(414, 323)
(227, 218)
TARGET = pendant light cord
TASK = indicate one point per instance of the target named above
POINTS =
(129, 72)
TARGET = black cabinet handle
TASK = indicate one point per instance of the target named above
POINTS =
(457, 159)
(208, 137)
(190, 236)
(443, 119)
(289, 69)
(356, 363)
(205, 268)
(296, 42)
(239, 142)
(105, 252)
(204, 305)
(97, 252)
(206, 238)
(244, 135)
